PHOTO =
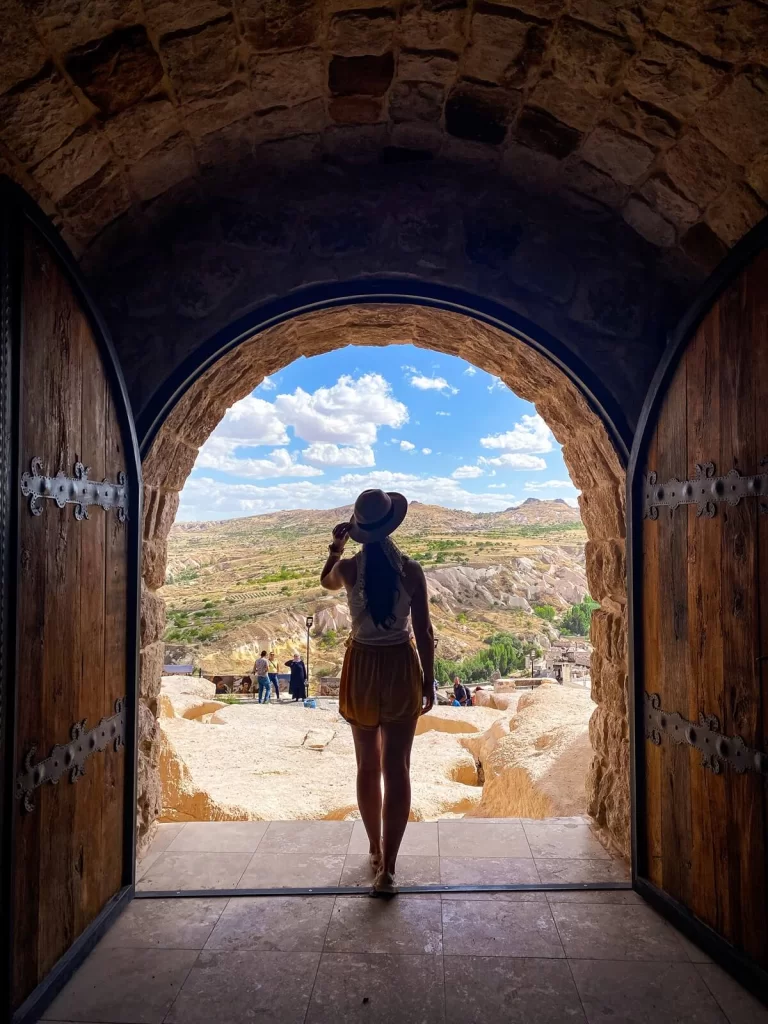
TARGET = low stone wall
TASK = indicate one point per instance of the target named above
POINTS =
(328, 686)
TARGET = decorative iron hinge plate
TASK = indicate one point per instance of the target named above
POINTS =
(77, 490)
(705, 490)
(70, 757)
(716, 748)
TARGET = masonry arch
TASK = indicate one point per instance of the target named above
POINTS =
(582, 417)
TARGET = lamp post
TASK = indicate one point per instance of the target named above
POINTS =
(310, 620)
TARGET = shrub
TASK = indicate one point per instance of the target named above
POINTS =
(578, 618)
(544, 611)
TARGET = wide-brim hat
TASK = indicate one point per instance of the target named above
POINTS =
(376, 515)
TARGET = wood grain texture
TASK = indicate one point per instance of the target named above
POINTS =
(71, 626)
(705, 625)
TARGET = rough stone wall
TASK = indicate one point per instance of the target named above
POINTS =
(657, 108)
(588, 453)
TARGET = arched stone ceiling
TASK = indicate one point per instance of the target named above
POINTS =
(656, 109)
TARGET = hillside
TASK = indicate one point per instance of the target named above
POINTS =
(238, 585)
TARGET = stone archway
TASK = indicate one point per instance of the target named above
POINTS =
(588, 452)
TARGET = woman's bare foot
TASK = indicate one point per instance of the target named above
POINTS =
(376, 859)
(384, 884)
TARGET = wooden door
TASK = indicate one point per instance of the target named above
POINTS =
(72, 504)
(698, 584)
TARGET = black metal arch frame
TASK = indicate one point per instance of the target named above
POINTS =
(16, 208)
(386, 290)
(731, 958)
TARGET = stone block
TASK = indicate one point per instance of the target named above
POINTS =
(116, 72)
(757, 176)
(81, 157)
(544, 133)
(154, 555)
(649, 223)
(210, 113)
(437, 68)
(701, 245)
(666, 200)
(614, 16)
(160, 508)
(356, 110)
(275, 82)
(416, 101)
(22, 55)
(602, 512)
(361, 33)
(585, 59)
(170, 163)
(736, 121)
(623, 157)
(361, 76)
(69, 23)
(140, 129)
(201, 62)
(92, 205)
(588, 180)
(606, 572)
(497, 42)
(736, 32)
(608, 634)
(280, 24)
(36, 118)
(434, 25)
(672, 78)
(698, 169)
(151, 670)
(480, 114)
(733, 213)
(535, 171)
(152, 616)
(566, 102)
(166, 16)
(658, 127)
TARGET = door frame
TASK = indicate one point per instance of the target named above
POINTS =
(732, 959)
(16, 208)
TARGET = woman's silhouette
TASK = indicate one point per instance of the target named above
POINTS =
(384, 685)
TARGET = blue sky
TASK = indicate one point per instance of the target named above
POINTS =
(397, 417)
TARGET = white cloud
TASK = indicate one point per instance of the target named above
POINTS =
(279, 463)
(323, 453)
(441, 413)
(432, 384)
(426, 451)
(406, 446)
(268, 384)
(496, 384)
(496, 487)
(470, 371)
(549, 485)
(531, 435)
(204, 498)
(250, 422)
(466, 473)
(514, 460)
(348, 412)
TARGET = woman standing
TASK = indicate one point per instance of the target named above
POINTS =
(298, 684)
(384, 685)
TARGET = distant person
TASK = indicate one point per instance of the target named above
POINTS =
(272, 667)
(461, 693)
(385, 685)
(261, 671)
(297, 687)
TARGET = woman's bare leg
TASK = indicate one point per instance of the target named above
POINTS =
(396, 743)
(368, 754)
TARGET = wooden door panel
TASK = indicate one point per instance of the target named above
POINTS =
(74, 624)
(702, 624)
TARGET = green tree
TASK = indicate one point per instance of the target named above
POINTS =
(544, 611)
(578, 618)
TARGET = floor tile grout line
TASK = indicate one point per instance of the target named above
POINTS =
(181, 986)
(707, 986)
(320, 958)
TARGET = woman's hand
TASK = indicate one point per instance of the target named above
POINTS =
(340, 536)
(427, 696)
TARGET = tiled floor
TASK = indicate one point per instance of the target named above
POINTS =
(306, 854)
(517, 958)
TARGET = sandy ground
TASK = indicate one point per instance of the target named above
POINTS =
(285, 761)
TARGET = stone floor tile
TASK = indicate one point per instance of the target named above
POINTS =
(315, 838)
(487, 840)
(146, 862)
(402, 925)
(550, 840)
(377, 989)
(516, 991)
(738, 1005)
(411, 870)
(616, 933)
(578, 870)
(243, 986)
(624, 897)
(477, 928)
(499, 897)
(165, 833)
(195, 871)
(124, 986)
(219, 837)
(420, 839)
(168, 923)
(283, 924)
(471, 820)
(638, 993)
(488, 871)
(297, 871)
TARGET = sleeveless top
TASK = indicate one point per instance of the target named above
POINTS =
(364, 629)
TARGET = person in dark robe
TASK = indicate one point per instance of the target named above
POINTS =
(298, 684)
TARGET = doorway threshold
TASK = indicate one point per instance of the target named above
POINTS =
(359, 890)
